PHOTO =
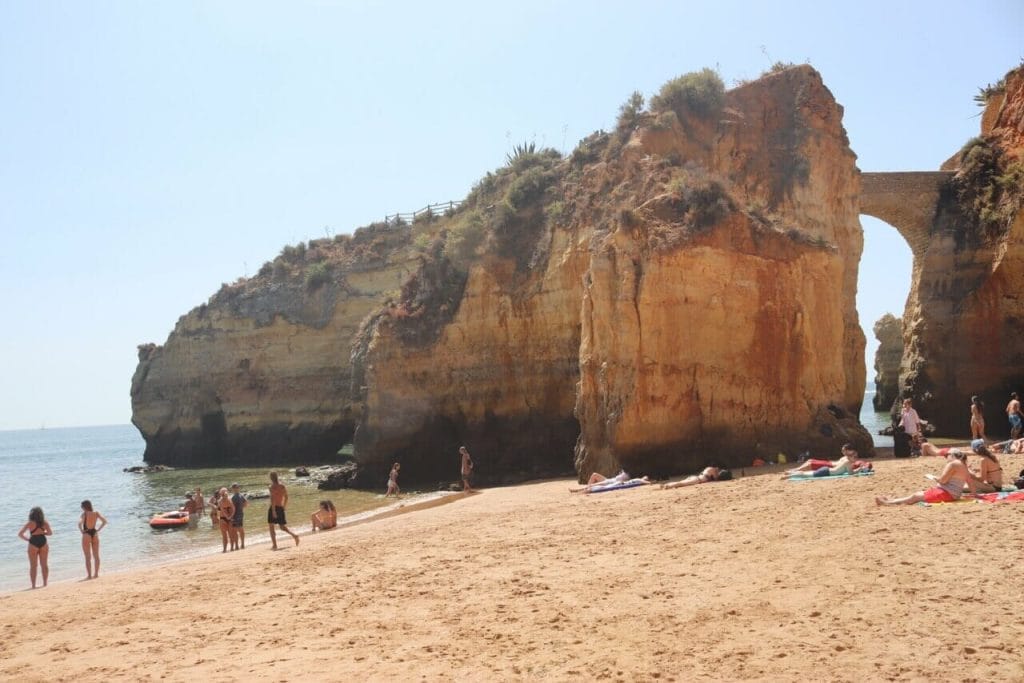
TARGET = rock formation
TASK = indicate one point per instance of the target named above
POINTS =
(261, 373)
(677, 291)
(889, 332)
(963, 327)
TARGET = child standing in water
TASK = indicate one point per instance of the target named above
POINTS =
(87, 524)
(977, 419)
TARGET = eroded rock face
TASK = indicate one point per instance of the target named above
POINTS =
(889, 332)
(261, 373)
(734, 342)
(964, 322)
(670, 295)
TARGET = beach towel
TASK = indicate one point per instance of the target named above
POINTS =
(618, 486)
(863, 473)
(1001, 497)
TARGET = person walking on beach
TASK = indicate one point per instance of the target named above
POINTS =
(35, 531)
(1013, 414)
(466, 469)
(225, 513)
(90, 524)
(977, 419)
(275, 515)
(393, 481)
(238, 519)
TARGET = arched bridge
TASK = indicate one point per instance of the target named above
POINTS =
(906, 200)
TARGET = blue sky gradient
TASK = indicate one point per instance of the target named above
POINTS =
(151, 151)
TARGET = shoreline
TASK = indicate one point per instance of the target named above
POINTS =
(399, 507)
(753, 578)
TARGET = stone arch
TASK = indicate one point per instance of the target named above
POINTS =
(906, 200)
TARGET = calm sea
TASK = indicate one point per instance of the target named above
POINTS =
(873, 421)
(57, 469)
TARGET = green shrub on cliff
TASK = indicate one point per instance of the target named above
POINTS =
(465, 236)
(700, 92)
(989, 189)
(317, 274)
(630, 111)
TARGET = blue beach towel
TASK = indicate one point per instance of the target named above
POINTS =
(834, 476)
(619, 486)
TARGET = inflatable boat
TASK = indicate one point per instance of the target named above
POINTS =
(169, 520)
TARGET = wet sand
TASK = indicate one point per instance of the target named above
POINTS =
(753, 579)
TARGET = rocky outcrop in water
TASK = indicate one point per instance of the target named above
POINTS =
(889, 332)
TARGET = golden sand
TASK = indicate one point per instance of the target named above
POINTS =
(755, 578)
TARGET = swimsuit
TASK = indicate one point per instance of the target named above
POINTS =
(238, 520)
(85, 530)
(38, 540)
(275, 515)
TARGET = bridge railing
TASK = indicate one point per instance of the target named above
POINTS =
(426, 212)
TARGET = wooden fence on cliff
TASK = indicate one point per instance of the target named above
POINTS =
(425, 213)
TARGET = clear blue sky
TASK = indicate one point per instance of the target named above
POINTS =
(151, 151)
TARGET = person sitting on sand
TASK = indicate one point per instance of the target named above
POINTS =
(326, 517)
(950, 484)
(842, 466)
(708, 474)
(988, 478)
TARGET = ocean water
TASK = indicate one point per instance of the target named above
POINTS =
(57, 469)
(873, 421)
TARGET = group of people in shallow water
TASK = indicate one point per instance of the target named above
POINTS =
(37, 529)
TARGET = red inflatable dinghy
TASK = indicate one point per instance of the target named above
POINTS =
(169, 520)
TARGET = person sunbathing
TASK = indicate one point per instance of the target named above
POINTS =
(708, 474)
(598, 478)
(832, 469)
(988, 478)
(606, 483)
(949, 485)
(815, 464)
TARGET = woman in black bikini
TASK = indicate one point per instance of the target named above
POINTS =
(87, 524)
(35, 531)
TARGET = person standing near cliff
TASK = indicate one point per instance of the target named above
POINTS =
(275, 514)
(977, 418)
(911, 424)
(466, 469)
(1014, 416)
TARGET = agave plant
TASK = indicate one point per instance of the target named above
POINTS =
(526, 149)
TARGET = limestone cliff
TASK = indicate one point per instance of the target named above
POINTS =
(964, 323)
(687, 284)
(261, 373)
(889, 332)
(678, 291)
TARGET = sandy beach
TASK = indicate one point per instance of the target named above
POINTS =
(753, 579)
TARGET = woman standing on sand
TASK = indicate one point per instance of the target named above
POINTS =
(87, 524)
(35, 531)
(977, 419)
